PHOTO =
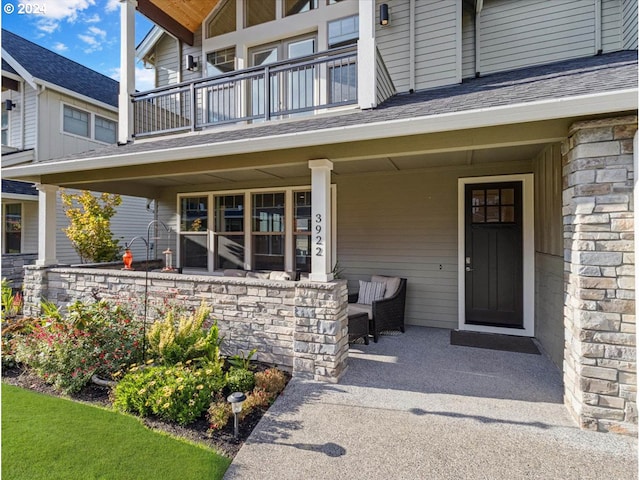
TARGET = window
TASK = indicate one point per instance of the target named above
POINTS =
(302, 231)
(221, 61)
(268, 231)
(229, 232)
(193, 232)
(291, 7)
(493, 205)
(105, 130)
(221, 98)
(13, 228)
(75, 121)
(344, 31)
(224, 21)
(259, 11)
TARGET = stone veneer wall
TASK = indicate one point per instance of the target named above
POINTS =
(301, 326)
(600, 344)
(13, 267)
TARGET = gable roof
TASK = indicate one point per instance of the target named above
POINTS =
(45, 65)
(585, 86)
(18, 188)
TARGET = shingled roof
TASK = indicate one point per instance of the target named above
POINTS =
(18, 188)
(55, 69)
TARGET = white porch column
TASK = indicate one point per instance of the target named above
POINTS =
(127, 69)
(321, 244)
(46, 225)
(367, 55)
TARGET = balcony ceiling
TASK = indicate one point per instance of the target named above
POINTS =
(181, 18)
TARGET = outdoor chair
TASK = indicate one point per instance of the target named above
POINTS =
(383, 300)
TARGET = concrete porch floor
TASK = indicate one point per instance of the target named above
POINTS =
(414, 406)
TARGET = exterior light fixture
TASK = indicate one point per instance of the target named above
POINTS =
(384, 14)
(168, 260)
(9, 105)
(236, 399)
(191, 63)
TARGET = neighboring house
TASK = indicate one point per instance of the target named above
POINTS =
(484, 150)
(52, 107)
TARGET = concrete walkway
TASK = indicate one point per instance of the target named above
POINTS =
(413, 406)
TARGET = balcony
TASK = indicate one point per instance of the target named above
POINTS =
(279, 90)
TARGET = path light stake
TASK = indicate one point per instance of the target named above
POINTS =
(236, 399)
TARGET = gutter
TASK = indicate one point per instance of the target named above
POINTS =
(583, 105)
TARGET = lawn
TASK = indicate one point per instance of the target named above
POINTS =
(50, 438)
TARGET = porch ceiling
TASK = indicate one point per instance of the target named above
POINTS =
(181, 18)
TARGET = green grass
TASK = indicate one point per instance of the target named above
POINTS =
(50, 438)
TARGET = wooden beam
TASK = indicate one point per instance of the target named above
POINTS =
(163, 20)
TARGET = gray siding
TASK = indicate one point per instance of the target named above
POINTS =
(630, 24)
(30, 132)
(407, 228)
(167, 61)
(384, 84)
(393, 42)
(468, 44)
(549, 261)
(517, 34)
(30, 227)
(611, 25)
(196, 51)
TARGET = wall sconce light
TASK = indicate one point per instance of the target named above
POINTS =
(236, 399)
(8, 105)
(384, 14)
(192, 64)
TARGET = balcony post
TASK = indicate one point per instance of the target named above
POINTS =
(267, 93)
(127, 70)
(367, 55)
(46, 225)
(321, 238)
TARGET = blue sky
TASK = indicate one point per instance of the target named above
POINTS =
(86, 31)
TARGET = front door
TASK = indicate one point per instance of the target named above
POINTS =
(493, 254)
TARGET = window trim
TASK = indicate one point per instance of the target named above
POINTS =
(92, 124)
(289, 191)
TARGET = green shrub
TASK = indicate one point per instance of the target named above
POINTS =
(256, 400)
(11, 302)
(179, 393)
(174, 341)
(218, 414)
(242, 360)
(13, 332)
(95, 338)
(240, 380)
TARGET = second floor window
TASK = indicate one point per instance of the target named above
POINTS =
(291, 7)
(224, 20)
(105, 130)
(76, 121)
(258, 11)
(5, 125)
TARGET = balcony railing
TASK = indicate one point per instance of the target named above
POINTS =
(278, 90)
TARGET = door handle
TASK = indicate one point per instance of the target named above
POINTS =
(468, 269)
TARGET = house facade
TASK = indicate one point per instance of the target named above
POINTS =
(51, 107)
(483, 150)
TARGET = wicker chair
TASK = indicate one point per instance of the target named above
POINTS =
(388, 313)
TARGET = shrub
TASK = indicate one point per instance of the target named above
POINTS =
(218, 414)
(13, 332)
(271, 381)
(93, 339)
(242, 360)
(179, 393)
(258, 399)
(11, 302)
(172, 342)
(240, 380)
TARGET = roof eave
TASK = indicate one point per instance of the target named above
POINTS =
(551, 109)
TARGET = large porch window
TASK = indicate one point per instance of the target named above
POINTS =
(262, 229)
(12, 214)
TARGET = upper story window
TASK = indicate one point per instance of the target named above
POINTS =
(291, 7)
(5, 125)
(75, 121)
(221, 61)
(224, 21)
(343, 31)
(105, 130)
(259, 11)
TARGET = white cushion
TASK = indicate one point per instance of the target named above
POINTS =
(355, 308)
(392, 284)
(275, 275)
(370, 292)
(230, 272)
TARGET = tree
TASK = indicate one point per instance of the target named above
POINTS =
(90, 225)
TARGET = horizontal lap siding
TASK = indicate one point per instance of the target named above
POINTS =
(611, 25)
(517, 34)
(167, 61)
(407, 228)
(630, 24)
(393, 43)
(436, 43)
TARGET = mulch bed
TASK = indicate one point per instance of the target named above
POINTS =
(222, 441)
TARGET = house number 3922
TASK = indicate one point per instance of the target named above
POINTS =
(319, 235)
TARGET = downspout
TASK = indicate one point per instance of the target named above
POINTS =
(636, 230)
(23, 119)
(476, 35)
(412, 46)
(598, 29)
(41, 90)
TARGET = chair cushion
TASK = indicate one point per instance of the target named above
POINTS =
(370, 292)
(355, 308)
(392, 284)
(276, 275)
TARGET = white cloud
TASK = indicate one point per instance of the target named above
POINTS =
(98, 32)
(60, 47)
(47, 25)
(112, 5)
(145, 77)
(94, 38)
(95, 18)
(63, 9)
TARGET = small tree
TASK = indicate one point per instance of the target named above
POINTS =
(90, 225)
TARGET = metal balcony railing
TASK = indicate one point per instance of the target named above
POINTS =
(278, 90)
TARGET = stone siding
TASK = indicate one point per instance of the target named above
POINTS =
(13, 267)
(600, 343)
(300, 326)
